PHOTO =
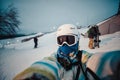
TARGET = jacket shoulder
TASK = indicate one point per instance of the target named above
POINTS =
(85, 56)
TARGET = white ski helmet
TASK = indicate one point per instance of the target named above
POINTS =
(67, 29)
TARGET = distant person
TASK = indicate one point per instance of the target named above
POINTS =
(91, 34)
(35, 42)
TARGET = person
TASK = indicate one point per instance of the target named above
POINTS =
(92, 35)
(68, 63)
(35, 42)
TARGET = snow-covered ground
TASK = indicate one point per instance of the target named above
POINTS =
(17, 56)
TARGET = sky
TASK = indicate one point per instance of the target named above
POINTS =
(47, 15)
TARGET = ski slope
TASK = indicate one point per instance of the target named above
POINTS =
(17, 56)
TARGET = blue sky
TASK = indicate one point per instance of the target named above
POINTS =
(43, 15)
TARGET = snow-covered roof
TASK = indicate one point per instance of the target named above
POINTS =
(104, 21)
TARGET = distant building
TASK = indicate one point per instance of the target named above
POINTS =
(110, 25)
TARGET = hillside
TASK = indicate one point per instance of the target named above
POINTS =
(17, 56)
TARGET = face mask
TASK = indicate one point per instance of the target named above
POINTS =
(64, 59)
(66, 50)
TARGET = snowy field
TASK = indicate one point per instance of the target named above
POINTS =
(17, 56)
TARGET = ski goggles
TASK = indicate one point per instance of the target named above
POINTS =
(67, 39)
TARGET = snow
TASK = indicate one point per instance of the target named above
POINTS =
(15, 56)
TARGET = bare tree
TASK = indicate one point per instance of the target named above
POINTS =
(9, 23)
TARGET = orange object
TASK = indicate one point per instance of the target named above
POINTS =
(91, 41)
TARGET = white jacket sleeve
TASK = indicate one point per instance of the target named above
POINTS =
(47, 67)
(50, 68)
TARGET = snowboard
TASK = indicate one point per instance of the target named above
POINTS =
(97, 41)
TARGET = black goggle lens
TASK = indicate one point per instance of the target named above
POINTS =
(66, 38)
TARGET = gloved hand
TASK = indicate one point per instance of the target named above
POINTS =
(36, 76)
(33, 73)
